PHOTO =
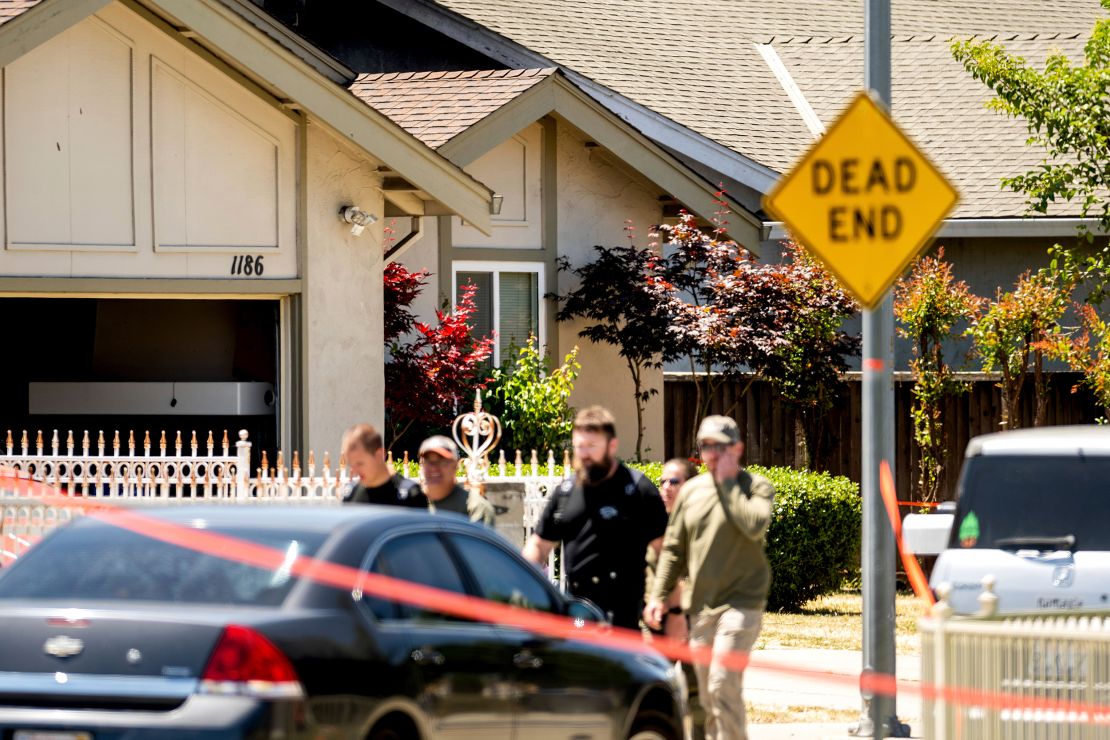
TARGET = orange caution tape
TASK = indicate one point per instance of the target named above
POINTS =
(469, 607)
(913, 569)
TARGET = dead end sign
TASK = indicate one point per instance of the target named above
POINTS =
(864, 200)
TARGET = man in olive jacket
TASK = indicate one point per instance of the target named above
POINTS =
(716, 538)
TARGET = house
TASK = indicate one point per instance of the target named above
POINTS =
(176, 179)
(734, 92)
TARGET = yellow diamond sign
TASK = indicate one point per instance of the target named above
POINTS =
(864, 200)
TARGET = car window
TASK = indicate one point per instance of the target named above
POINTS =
(92, 560)
(1033, 498)
(419, 558)
(501, 577)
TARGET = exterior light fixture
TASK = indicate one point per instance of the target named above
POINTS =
(495, 204)
(358, 218)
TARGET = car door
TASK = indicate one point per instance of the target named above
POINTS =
(565, 689)
(465, 677)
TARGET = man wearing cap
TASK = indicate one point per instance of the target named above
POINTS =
(375, 482)
(716, 538)
(439, 460)
(606, 518)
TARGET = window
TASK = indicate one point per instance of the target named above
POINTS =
(502, 578)
(419, 558)
(92, 560)
(508, 301)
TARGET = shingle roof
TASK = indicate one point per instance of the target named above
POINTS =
(696, 62)
(436, 106)
(941, 106)
(11, 8)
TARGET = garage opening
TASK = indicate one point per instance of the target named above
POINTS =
(142, 365)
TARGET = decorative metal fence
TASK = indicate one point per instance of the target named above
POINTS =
(189, 472)
(1016, 677)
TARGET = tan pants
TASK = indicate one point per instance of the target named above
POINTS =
(721, 690)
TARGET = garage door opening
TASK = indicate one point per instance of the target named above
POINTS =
(142, 365)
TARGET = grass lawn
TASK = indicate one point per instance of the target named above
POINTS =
(834, 622)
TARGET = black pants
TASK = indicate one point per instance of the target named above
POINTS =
(622, 610)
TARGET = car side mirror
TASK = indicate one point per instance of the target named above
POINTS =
(583, 609)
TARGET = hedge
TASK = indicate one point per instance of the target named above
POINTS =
(813, 543)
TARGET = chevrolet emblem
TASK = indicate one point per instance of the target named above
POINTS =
(63, 646)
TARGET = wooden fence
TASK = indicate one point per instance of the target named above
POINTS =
(768, 430)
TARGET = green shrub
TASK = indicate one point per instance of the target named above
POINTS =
(813, 543)
(533, 400)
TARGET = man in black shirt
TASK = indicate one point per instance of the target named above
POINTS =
(375, 482)
(606, 518)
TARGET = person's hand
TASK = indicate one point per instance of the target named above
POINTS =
(675, 627)
(653, 613)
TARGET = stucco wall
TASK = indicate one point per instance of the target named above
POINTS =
(596, 196)
(343, 381)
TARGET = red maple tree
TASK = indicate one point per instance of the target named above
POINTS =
(431, 376)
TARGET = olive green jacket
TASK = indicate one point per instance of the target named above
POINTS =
(720, 551)
(462, 502)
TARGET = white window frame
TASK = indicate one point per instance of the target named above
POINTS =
(496, 268)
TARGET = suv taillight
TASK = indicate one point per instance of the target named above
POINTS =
(246, 663)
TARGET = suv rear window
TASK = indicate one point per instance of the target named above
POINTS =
(92, 560)
(1034, 499)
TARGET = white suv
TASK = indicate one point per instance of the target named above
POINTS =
(1033, 511)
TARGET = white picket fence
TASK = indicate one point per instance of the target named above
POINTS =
(1005, 673)
(190, 472)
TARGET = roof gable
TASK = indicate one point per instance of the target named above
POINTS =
(437, 106)
(465, 114)
(219, 27)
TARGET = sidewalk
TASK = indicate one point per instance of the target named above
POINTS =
(832, 684)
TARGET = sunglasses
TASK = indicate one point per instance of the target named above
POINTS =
(712, 446)
(673, 481)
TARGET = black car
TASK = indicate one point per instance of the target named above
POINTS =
(109, 632)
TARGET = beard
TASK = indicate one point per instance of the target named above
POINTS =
(592, 472)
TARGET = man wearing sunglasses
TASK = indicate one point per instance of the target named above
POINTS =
(716, 538)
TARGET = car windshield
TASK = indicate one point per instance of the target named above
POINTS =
(95, 561)
(1033, 502)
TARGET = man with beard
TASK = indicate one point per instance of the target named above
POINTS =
(375, 481)
(606, 517)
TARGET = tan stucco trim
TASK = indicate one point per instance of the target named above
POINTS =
(42, 23)
(556, 95)
(35, 287)
(218, 27)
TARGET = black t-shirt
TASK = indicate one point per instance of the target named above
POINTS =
(397, 491)
(605, 530)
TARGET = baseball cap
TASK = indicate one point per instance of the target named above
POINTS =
(440, 445)
(718, 429)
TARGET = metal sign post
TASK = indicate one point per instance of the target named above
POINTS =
(865, 201)
(878, 556)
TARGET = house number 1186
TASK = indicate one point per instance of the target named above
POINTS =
(245, 264)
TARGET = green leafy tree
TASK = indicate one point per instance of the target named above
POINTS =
(929, 303)
(613, 299)
(1066, 108)
(533, 400)
(1011, 335)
